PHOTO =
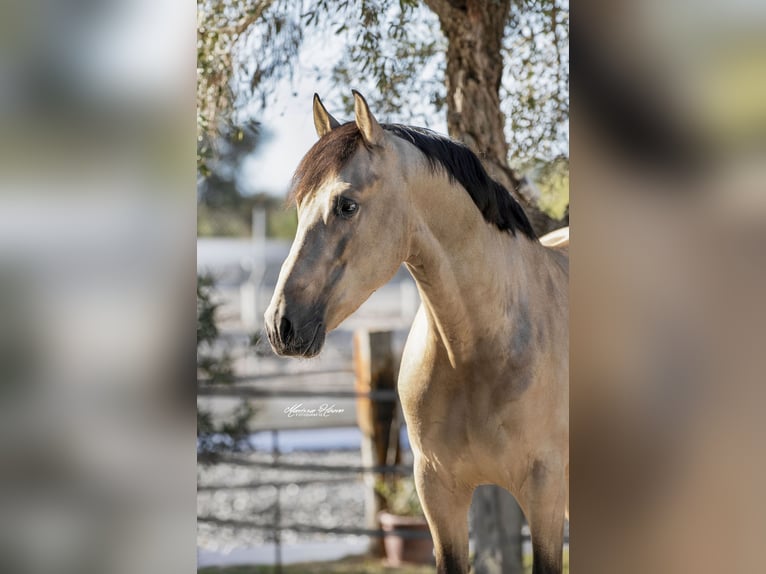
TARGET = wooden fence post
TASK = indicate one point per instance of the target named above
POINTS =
(496, 521)
(375, 369)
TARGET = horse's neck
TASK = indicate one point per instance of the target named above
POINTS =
(473, 278)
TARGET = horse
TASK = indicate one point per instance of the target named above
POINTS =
(483, 381)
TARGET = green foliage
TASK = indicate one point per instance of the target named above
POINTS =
(222, 210)
(395, 54)
(221, 27)
(220, 153)
(233, 217)
(282, 223)
(535, 88)
(207, 330)
(399, 496)
(215, 366)
(393, 50)
(230, 435)
(552, 179)
(222, 222)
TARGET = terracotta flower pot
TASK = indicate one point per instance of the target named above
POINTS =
(401, 549)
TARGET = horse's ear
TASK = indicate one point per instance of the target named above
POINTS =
(366, 122)
(323, 121)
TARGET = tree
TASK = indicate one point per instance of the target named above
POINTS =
(391, 43)
(223, 209)
(220, 26)
(475, 30)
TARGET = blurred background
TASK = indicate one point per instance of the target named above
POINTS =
(97, 280)
(668, 128)
(283, 484)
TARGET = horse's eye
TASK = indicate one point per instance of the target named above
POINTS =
(347, 208)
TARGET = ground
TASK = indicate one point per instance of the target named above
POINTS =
(350, 565)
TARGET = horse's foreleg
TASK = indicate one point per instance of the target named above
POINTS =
(446, 509)
(545, 504)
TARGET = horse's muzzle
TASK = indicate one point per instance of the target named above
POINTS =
(292, 338)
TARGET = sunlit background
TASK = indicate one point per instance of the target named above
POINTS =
(668, 205)
(96, 286)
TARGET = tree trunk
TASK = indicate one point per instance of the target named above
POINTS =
(496, 531)
(474, 30)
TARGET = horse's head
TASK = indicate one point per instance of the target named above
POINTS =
(352, 230)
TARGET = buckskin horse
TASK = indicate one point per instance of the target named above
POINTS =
(484, 377)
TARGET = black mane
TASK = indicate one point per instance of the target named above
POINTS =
(496, 204)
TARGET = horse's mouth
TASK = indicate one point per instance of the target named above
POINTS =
(299, 347)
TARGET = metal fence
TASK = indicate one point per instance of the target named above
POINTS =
(277, 526)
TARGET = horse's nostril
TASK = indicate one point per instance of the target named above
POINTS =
(285, 330)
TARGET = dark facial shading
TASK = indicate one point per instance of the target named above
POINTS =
(333, 151)
(522, 336)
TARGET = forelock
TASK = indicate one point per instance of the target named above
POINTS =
(326, 157)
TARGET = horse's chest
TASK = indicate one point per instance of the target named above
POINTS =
(460, 417)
